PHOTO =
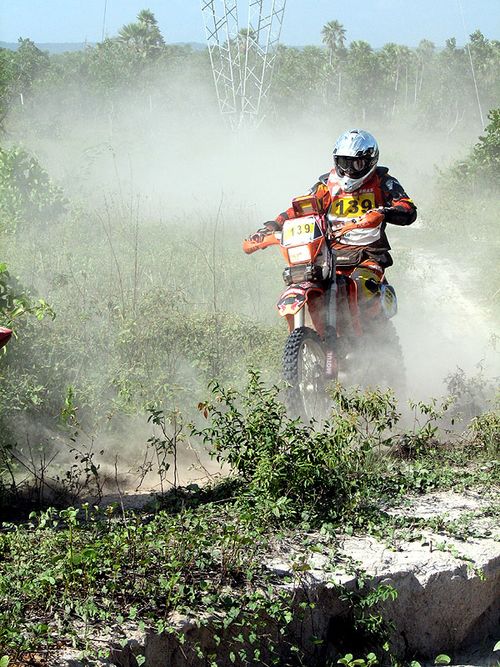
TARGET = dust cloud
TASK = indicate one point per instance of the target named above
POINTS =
(184, 180)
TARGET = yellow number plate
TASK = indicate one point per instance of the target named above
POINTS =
(352, 206)
(300, 231)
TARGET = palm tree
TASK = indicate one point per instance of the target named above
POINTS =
(143, 35)
(133, 34)
(148, 20)
(333, 36)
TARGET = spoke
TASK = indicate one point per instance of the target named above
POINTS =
(311, 376)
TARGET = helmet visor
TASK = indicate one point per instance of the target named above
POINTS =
(354, 167)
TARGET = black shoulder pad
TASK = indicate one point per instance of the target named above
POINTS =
(382, 171)
(324, 178)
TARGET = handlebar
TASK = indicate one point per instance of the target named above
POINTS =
(251, 246)
(371, 219)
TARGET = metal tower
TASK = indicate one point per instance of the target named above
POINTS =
(221, 26)
(265, 19)
(243, 60)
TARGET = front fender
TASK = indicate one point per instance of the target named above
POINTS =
(294, 298)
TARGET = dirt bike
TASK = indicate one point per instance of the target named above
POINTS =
(337, 315)
(5, 335)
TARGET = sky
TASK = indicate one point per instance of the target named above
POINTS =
(376, 21)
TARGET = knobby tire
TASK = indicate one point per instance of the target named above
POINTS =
(306, 396)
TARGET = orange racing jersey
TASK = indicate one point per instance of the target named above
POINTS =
(381, 190)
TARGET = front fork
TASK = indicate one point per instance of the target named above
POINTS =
(299, 319)
(331, 362)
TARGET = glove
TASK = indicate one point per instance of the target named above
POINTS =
(372, 218)
(269, 227)
(262, 238)
(259, 235)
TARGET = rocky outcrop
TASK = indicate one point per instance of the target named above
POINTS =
(448, 591)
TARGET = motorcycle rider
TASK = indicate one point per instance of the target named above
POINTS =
(357, 191)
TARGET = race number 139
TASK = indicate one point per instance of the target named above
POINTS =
(352, 206)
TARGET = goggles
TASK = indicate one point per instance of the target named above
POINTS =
(352, 166)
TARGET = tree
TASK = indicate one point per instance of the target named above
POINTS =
(333, 37)
(18, 72)
(364, 75)
(396, 62)
(245, 35)
(485, 162)
(299, 83)
(31, 61)
(26, 190)
(7, 73)
(480, 50)
(451, 44)
(144, 35)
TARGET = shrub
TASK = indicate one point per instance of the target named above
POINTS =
(293, 470)
(26, 190)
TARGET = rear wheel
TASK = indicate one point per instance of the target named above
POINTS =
(304, 370)
(376, 358)
(391, 369)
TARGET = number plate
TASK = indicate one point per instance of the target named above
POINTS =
(352, 206)
(300, 232)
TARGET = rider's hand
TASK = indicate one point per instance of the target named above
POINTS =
(372, 218)
(269, 228)
(259, 235)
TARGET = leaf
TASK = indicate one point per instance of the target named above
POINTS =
(4, 661)
(140, 659)
(495, 648)
(204, 409)
(442, 659)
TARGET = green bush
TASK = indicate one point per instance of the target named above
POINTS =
(485, 430)
(26, 190)
(291, 470)
(485, 162)
(481, 169)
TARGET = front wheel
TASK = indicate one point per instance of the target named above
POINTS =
(304, 370)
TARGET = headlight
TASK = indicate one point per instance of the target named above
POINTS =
(299, 254)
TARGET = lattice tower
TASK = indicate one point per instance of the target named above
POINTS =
(265, 19)
(221, 26)
(242, 64)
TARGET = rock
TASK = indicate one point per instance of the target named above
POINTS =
(448, 592)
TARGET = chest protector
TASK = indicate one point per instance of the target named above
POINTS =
(346, 206)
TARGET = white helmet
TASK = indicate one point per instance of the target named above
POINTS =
(355, 156)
